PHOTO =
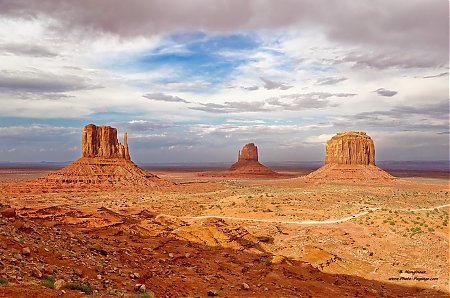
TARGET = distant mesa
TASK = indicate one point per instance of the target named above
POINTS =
(105, 164)
(350, 157)
(247, 165)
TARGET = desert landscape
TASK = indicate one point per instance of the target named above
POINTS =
(199, 148)
(106, 227)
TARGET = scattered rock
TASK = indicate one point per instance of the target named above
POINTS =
(278, 259)
(8, 212)
(135, 275)
(26, 251)
(59, 283)
(36, 273)
(78, 272)
(212, 293)
(97, 248)
(140, 288)
(245, 286)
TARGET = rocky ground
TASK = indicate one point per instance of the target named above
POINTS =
(136, 244)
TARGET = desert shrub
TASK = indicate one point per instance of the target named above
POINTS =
(144, 295)
(49, 282)
(84, 287)
(3, 281)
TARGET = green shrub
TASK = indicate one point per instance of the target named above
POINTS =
(144, 295)
(49, 282)
(83, 287)
(3, 281)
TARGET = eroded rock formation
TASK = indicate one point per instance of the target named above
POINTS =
(350, 158)
(248, 163)
(101, 141)
(105, 164)
(247, 166)
(350, 148)
(249, 152)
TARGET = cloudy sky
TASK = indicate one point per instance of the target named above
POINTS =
(194, 80)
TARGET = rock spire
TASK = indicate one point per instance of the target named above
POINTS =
(101, 141)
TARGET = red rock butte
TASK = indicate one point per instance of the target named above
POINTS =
(248, 164)
(101, 141)
(350, 157)
(105, 164)
(350, 148)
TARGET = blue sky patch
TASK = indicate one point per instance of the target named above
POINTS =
(198, 56)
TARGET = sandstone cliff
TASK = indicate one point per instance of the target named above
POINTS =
(350, 158)
(105, 165)
(350, 148)
(101, 141)
(249, 152)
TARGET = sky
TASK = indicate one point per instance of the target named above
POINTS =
(195, 80)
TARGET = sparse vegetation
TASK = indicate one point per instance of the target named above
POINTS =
(84, 287)
(49, 282)
(144, 295)
(3, 281)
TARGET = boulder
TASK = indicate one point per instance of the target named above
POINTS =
(8, 212)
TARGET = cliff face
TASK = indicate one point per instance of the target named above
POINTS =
(350, 148)
(105, 164)
(249, 152)
(350, 158)
(101, 141)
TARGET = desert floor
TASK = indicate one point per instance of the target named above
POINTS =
(229, 238)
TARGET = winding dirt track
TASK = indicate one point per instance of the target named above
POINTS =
(305, 222)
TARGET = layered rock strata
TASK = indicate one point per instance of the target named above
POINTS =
(350, 158)
(101, 141)
(105, 164)
(350, 148)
